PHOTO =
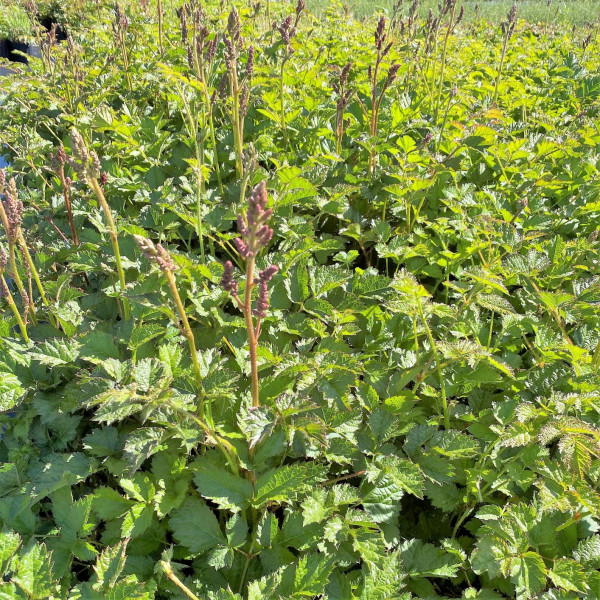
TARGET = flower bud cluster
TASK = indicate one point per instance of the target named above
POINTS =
(262, 304)
(287, 31)
(121, 21)
(155, 254)
(25, 300)
(228, 283)
(202, 43)
(300, 8)
(392, 73)
(58, 159)
(85, 164)
(508, 26)
(339, 87)
(250, 63)
(4, 291)
(13, 208)
(255, 235)
(253, 228)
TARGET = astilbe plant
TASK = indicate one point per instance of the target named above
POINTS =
(431, 31)
(454, 20)
(58, 160)
(72, 73)
(508, 28)
(87, 166)
(406, 27)
(201, 48)
(47, 43)
(235, 83)
(5, 293)
(343, 97)
(120, 26)
(255, 234)
(287, 31)
(160, 256)
(382, 47)
(11, 215)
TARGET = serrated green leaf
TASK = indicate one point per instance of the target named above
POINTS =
(221, 486)
(195, 526)
(282, 484)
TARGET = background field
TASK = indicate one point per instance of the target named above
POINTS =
(576, 12)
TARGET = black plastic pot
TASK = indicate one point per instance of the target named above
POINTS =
(61, 34)
(30, 49)
(34, 50)
(19, 47)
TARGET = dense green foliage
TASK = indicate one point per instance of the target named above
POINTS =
(428, 418)
(567, 12)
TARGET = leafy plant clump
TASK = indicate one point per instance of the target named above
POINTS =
(298, 307)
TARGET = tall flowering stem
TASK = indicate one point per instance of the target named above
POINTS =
(255, 234)
(58, 161)
(5, 293)
(383, 48)
(120, 26)
(160, 257)
(344, 95)
(87, 166)
(238, 83)
(160, 25)
(11, 211)
(201, 49)
(287, 30)
(508, 28)
(453, 22)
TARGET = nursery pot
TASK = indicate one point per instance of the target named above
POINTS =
(20, 47)
(34, 50)
(31, 49)
(47, 23)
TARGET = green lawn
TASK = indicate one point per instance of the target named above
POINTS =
(578, 12)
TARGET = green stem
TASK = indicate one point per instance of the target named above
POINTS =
(252, 342)
(13, 266)
(199, 186)
(113, 238)
(443, 62)
(189, 336)
(237, 132)
(65, 188)
(502, 58)
(160, 26)
(213, 140)
(226, 448)
(596, 357)
(438, 365)
(14, 308)
(166, 567)
(444, 121)
(249, 557)
(282, 104)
